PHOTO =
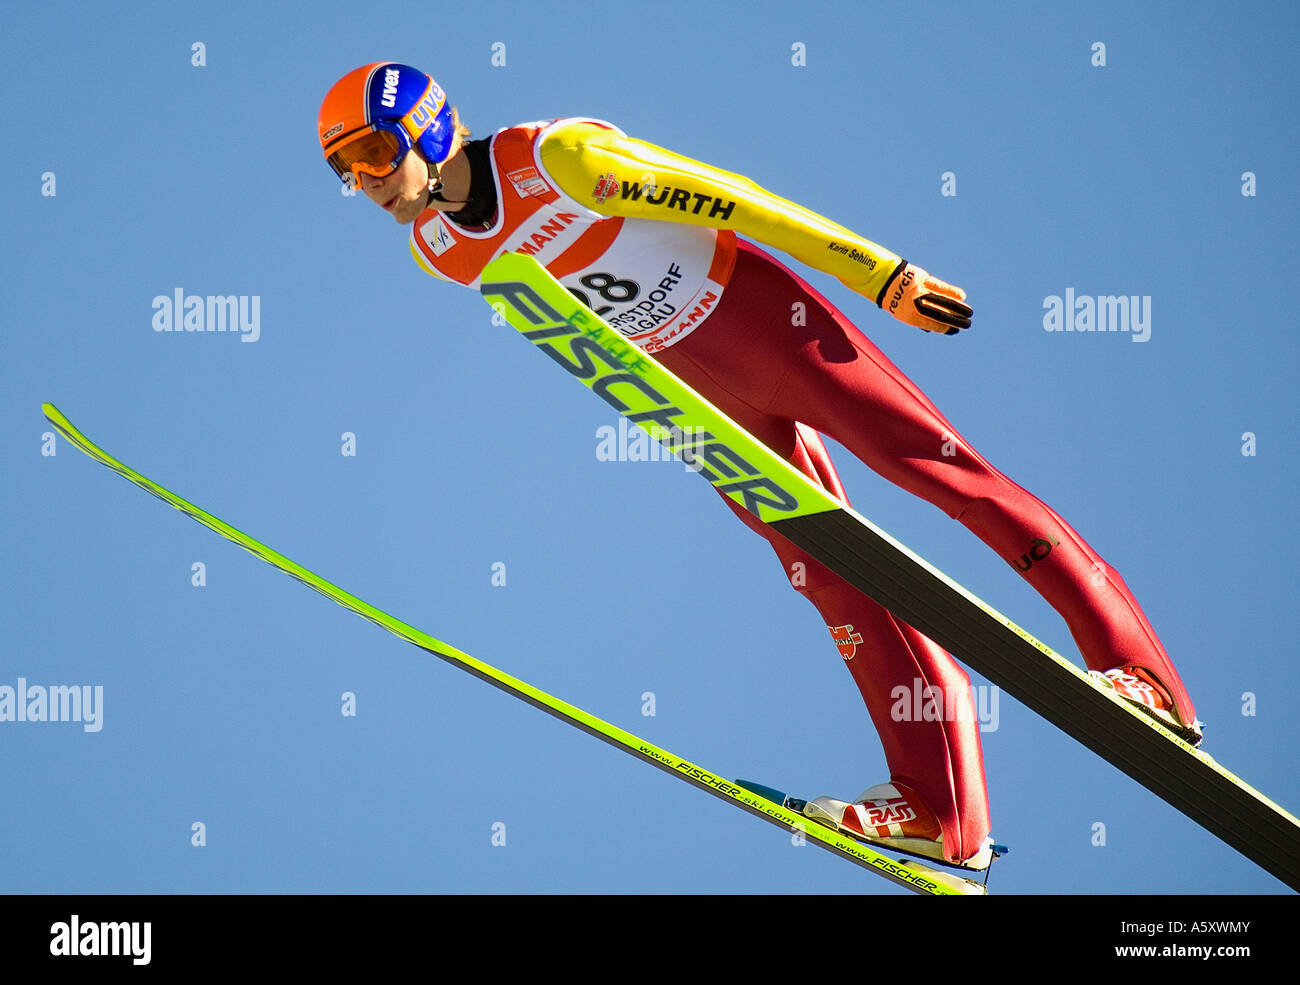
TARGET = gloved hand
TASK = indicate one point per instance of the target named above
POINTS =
(914, 296)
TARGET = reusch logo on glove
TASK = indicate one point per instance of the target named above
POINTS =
(904, 283)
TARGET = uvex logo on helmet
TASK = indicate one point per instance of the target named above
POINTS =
(391, 78)
(425, 112)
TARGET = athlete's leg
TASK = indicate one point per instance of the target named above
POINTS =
(837, 381)
(939, 758)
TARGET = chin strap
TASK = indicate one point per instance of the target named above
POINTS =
(435, 183)
(472, 213)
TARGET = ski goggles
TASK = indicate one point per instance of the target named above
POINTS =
(377, 151)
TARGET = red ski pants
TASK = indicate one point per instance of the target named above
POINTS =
(782, 376)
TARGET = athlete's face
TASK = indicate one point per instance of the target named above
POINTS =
(403, 193)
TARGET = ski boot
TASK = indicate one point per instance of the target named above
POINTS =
(894, 817)
(1141, 688)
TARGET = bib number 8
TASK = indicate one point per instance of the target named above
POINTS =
(608, 287)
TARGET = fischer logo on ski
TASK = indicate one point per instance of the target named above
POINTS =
(615, 371)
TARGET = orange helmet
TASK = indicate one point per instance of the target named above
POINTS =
(373, 117)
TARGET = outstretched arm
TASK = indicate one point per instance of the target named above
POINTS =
(623, 176)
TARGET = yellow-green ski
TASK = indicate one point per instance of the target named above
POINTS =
(914, 876)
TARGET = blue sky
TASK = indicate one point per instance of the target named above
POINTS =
(222, 702)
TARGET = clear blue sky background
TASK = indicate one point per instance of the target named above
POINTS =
(222, 703)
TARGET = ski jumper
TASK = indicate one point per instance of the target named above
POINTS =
(582, 197)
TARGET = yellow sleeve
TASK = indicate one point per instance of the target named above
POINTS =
(615, 175)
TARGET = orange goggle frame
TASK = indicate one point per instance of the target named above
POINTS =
(376, 151)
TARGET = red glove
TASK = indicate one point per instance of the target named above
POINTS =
(914, 296)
